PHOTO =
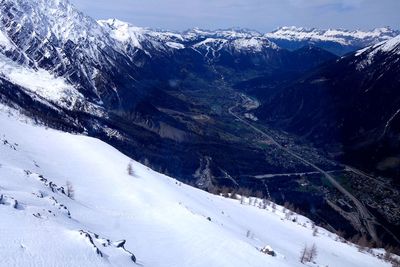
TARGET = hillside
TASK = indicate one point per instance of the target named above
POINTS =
(164, 222)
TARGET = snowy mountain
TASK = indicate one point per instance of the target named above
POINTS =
(109, 63)
(390, 50)
(337, 41)
(209, 43)
(92, 206)
(54, 36)
(148, 40)
(105, 61)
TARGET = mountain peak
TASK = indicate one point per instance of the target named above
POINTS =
(390, 48)
(47, 17)
(344, 37)
(392, 45)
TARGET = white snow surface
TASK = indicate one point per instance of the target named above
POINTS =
(141, 38)
(253, 44)
(165, 223)
(40, 82)
(4, 42)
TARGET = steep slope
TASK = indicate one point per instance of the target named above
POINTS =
(337, 41)
(54, 36)
(83, 208)
(41, 83)
(351, 105)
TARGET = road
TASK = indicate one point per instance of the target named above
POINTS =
(360, 173)
(365, 216)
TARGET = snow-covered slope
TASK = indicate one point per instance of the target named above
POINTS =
(53, 35)
(145, 39)
(392, 46)
(164, 222)
(41, 83)
(386, 53)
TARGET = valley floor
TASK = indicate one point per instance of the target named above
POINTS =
(164, 223)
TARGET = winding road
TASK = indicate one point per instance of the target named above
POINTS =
(365, 216)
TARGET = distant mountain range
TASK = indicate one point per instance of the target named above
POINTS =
(337, 41)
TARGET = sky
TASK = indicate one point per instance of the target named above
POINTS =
(261, 15)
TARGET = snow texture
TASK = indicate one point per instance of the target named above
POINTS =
(113, 218)
(40, 82)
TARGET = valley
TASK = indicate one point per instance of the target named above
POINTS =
(304, 162)
(304, 118)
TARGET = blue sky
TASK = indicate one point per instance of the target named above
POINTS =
(262, 15)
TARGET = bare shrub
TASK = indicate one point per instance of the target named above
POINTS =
(130, 170)
(315, 231)
(70, 190)
(308, 254)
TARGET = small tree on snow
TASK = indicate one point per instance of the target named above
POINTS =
(315, 231)
(312, 253)
(130, 169)
(308, 254)
(70, 190)
(303, 254)
(248, 234)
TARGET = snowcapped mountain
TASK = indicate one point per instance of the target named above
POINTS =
(232, 39)
(229, 34)
(109, 62)
(93, 206)
(344, 37)
(104, 61)
(209, 43)
(335, 40)
(389, 50)
(54, 36)
(133, 37)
